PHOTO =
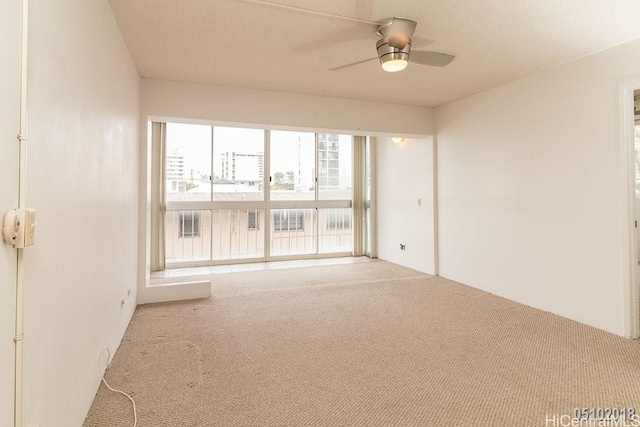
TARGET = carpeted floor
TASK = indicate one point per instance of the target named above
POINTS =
(366, 344)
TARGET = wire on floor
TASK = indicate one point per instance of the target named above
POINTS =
(133, 402)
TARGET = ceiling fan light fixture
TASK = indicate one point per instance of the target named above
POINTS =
(392, 59)
(394, 65)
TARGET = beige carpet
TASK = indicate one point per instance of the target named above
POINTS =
(367, 344)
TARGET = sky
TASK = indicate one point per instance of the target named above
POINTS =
(194, 142)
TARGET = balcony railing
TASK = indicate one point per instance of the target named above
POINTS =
(230, 234)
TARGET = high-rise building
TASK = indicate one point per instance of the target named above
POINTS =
(175, 170)
(328, 161)
(243, 168)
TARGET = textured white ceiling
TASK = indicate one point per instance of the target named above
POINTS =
(237, 44)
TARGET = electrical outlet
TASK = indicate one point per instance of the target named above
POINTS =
(419, 201)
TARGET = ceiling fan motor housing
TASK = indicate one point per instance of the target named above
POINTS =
(386, 52)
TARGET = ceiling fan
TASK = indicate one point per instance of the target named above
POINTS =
(394, 45)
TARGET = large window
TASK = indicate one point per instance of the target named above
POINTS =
(237, 193)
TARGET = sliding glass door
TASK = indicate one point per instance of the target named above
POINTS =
(236, 194)
(310, 193)
(214, 193)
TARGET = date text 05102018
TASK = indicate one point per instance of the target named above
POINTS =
(604, 413)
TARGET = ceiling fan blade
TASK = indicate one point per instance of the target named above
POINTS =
(434, 59)
(400, 32)
(352, 64)
(418, 42)
(311, 12)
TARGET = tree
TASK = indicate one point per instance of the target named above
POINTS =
(290, 177)
(278, 177)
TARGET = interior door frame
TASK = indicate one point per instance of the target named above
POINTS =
(631, 287)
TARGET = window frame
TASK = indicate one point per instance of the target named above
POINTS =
(295, 212)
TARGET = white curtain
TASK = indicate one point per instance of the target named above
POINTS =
(158, 202)
(359, 195)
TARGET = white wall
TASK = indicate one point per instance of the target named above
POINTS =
(530, 189)
(83, 181)
(10, 20)
(273, 110)
(404, 175)
(277, 109)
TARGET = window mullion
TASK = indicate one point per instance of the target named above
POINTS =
(316, 227)
(211, 192)
(267, 194)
